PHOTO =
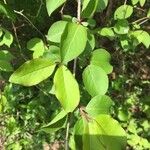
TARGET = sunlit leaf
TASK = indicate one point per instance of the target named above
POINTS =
(33, 72)
(66, 89)
(52, 5)
(95, 80)
(36, 45)
(99, 104)
(101, 58)
(56, 30)
(123, 12)
(72, 45)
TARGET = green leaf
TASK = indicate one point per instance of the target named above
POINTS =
(95, 80)
(57, 123)
(142, 37)
(134, 2)
(123, 12)
(121, 27)
(36, 45)
(125, 44)
(142, 2)
(56, 30)
(90, 45)
(123, 115)
(6, 55)
(100, 133)
(99, 104)
(7, 11)
(5, 66)
(101, 58)
(108, 32)
(52, 5)
(59, 116)
(33, 72)
(55, 126)
(102, 4)
(53, 53)
(3, 103)
(89, 8)
(72, 45)
(7, 38)
(66, 89)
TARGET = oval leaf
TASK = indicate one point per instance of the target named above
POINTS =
(95, 80)
(6, 55)
(89, 8)
(33, 72)
(52, 5)
(5, 66)
(56, 30)
(101, 58)
(73, 42)
(100, 133)
(36, 45)
(102, 4)
(123, 12)
(66, 89)
(100, 104)
(121, 27)
(108, 32)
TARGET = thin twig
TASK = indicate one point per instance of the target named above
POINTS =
(141, 19)
(138, 8)
(17, 40)
(79, 20)
(28, 20)
(62, 10)
(74, 67)
(79, 11)
(5, 2)
(67, 133)
(125, 2)
(40, 7)
(74, 73)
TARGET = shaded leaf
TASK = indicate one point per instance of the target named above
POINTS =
(5, 66)
(89, 8)
(7, 11)
(57, 123)
(6, 55)
(121, 27)
(102, 4)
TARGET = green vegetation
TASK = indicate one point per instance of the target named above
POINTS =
(74, 75)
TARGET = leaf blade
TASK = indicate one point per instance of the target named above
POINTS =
(33, 72)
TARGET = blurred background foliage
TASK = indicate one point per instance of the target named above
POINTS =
(23, 111)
